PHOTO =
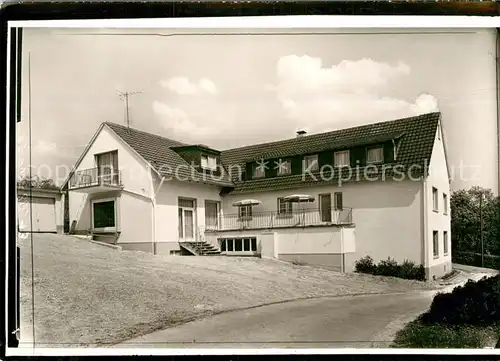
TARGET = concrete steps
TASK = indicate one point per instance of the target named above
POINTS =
(200, 248)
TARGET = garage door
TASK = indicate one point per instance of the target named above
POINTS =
(44, 214)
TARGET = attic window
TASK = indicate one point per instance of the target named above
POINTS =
(341, 159)
(258, 171)
(311, 162)
(208, 162)
(375, 155)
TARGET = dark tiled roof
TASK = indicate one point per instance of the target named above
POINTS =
(156, 150)
(416, 139)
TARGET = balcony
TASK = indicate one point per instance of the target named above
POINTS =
(94, 180)
(272, 220)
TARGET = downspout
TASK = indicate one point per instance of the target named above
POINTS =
(342, 249)
(497, 60)
(153, 203)
(425, 258)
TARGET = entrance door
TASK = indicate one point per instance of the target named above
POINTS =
(186, 220)
(325, 204)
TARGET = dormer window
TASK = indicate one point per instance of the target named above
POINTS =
(342, 159)
(209, 162)
(259, 171)
(284, 167)
(311, 162)
(375, 155)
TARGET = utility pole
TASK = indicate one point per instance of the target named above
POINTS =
(481, 225)
(125, 96)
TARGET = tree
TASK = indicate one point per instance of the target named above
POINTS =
(466, 208)
(37, 182)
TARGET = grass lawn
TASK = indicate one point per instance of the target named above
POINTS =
(419, 335)
(86, 294)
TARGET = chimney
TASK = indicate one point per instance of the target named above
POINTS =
(301, 133)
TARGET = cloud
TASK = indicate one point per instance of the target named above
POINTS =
(347, 94)
(43, 147)
(178, 121)
(183, 86)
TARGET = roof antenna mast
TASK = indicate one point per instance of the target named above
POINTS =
(125, 96)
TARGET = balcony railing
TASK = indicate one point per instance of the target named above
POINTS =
(296, 218)
(94, 177)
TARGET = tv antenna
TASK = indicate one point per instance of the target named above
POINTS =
(125, 96)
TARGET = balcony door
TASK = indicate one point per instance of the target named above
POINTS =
(325, 207)
(187, 220)
(212, 215)
(107, 168)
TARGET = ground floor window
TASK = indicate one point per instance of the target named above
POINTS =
(239, 244)
(435, 244)
(104, 214)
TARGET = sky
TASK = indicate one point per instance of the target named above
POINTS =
(232, 89)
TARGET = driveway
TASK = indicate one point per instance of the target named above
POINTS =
(89, 295)
(359, 321)
(327, 322)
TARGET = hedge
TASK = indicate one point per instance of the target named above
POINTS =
(408, 270)
(474, 259)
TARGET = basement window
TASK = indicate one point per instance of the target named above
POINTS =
(238, 244)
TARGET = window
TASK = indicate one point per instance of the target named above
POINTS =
(435, 201)
(258, 171)
(342, 159)
(338, 201)
(104, 214)
(239, 244)
(375, 155)
(445, 204)
(284, 207)
(284, 167)
(445, 242)
(245, 211)
(186, 202)
(435, 244)
(208, 162)
(311, 162)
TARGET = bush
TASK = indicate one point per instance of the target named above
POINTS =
(387, 268)
(411, 271)
(407, 270)
(365, 265)
(475, 303)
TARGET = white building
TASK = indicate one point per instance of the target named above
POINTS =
(380, 190)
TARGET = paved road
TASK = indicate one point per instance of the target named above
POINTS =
(359, 321)
(329, 322)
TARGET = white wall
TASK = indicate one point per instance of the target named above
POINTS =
(310, 240)
(438, 178)
(166, 209)
(136, 217)
(387, 215)
(135, 175)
